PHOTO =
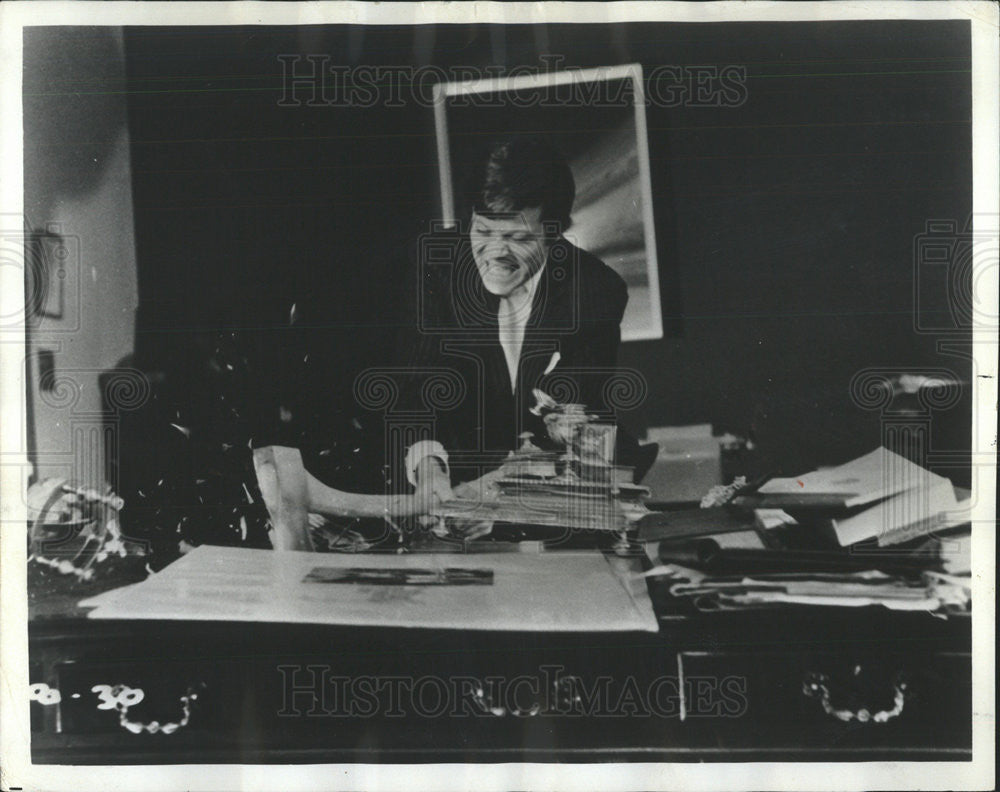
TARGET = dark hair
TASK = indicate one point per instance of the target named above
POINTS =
(523, 173)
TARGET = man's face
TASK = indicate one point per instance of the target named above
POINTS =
(508, 250)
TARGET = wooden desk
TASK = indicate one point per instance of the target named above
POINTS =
(707, 687)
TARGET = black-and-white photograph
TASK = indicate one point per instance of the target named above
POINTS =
(596, 120)
(605, 391)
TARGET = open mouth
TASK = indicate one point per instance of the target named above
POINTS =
(503, 267)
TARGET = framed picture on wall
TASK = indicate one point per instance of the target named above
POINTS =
(45, 254)
(597, 119)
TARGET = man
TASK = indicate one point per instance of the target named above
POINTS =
(511, 306)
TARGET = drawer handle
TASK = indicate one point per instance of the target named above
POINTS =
(122, 697)
(818, 685)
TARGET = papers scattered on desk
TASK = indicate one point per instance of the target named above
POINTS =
(562, 591)
(956, 554)
(768, 519)
(881, 496)
(863, 480)
(879, 530)
(933, 591)
(913, 514)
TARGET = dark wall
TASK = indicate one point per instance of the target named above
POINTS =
(785, 225)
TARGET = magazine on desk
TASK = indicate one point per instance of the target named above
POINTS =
(389, 393)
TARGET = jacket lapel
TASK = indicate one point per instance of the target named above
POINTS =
(551, 313)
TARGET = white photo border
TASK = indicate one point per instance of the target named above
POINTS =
(15, 764)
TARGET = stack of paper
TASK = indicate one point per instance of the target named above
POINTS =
(880, 496)
(933, 592)
(861, 481)
(563, 591)
(912, 514)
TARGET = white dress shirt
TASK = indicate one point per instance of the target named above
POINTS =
(513, 316)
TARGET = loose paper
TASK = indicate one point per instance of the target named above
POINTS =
(558, 591)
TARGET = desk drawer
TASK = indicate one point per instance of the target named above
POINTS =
(860, 701)
(94, 695)
(274, 693)
(440, 699)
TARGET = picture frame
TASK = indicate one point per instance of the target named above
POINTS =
(45, 252)
(597, 118)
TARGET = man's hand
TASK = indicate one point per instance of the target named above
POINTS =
(433, 485)
(484, 488)
(433, 489)
(481, 490)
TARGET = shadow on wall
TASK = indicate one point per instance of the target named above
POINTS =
(74, 113)
(78, 189)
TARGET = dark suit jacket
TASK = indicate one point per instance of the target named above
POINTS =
(576, 312)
